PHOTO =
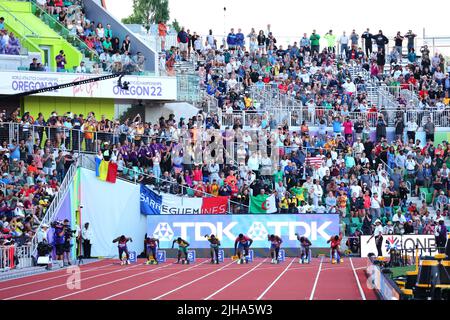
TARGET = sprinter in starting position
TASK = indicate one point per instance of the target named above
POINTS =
(122, 246)
(182, 248)
(275, 244)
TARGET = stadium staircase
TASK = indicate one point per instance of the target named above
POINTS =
(90, 56)
(34, 33)
(53, 209)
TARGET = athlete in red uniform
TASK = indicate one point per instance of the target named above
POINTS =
(336, 248)
(122, 246)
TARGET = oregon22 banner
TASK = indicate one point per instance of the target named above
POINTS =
(193, 228)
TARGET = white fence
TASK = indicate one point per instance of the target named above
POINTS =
(12, 257)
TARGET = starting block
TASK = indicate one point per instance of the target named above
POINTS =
(221, 256)
(307, 260)
(151, 261)
(132, 257)
(184, 261)
(249, 258)
(191, 256)
(161, 256)
(281, 255)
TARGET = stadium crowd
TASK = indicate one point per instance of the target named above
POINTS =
(114, 55)
(31, 172)
(347, 166)
(9, 44)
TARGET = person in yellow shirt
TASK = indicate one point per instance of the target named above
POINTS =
(342, 203)
(284, 204)
(248, 102)
(89, 130)
(214, 188)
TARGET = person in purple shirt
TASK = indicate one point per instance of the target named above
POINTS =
(61, 61)
(133, 156)
(59, 240)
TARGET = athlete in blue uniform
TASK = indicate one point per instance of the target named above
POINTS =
(275, 244)
(151, 244)
(242, 244)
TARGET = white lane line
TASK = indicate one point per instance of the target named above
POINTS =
(107, 283)
(363, 296)
(311, 297)
(65, 284)
(51, 278)
(275, 281)
(193, 281)
(153, 281)
(235, 280)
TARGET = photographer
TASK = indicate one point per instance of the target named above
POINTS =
(68, 235)
(58, 239)
(61, 61)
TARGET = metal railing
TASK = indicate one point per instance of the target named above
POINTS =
(15, 257)
(56, 203)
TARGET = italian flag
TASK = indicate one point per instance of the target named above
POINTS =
(263, 204)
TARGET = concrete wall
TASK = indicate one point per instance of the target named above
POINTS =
(180, 109)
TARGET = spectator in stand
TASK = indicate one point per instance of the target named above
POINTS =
(410, 36)
(13, 46)
(61, 61)
(126, 44)
(315, 42)
(100, 31)
(81, 68)
(33, 65)
(107, 46)
(108, 31)
(162, 33)
(2, 23)
(183, 40)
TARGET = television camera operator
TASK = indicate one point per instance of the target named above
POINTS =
(63, 235)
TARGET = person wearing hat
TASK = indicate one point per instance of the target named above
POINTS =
(378, 234)
(42, 233)
(388, 228)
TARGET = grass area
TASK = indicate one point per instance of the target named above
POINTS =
(401, 271)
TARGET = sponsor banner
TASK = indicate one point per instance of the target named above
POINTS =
(215, 205)
(164, 203)
(317, 227)
(425, 243)
(140, 87)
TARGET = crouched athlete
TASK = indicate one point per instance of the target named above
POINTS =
(151, 245)
(305, 243)
(122, 246)
(242, 245)
(335, 246)
(275, 244)
(214, 244)
(182, 248)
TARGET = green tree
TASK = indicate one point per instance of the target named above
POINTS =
(146, 12)
(176, 25)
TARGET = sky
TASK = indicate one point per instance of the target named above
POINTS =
(290, 19)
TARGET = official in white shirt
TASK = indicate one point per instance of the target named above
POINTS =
(86, 235)
(378, 234)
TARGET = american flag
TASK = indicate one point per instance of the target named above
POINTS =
(314, 161)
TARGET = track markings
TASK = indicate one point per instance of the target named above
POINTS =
(52, 278)
(275, 281)
(363, 296)
(311, 297)
(193, 281)
(153, 281)
(232, 282)
(64, 284)
(107, 283)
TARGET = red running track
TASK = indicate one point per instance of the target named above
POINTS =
(260, 280)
